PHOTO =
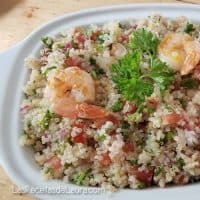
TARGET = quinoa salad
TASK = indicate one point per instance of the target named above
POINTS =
(116, 105)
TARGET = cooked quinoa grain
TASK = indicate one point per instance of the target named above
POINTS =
(130, 118)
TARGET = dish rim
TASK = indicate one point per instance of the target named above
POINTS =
(17, 48)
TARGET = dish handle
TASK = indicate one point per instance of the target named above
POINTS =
(7, 59)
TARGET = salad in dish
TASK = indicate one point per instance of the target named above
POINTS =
(116, 105)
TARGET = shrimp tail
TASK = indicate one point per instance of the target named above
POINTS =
(88, 111)
(192, 58)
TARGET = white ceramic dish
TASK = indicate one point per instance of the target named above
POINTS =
(18, 162)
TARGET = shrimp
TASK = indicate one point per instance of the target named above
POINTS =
(71, 92)
(180, 51)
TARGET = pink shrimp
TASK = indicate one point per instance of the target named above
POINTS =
(71, 92)
(180, 51)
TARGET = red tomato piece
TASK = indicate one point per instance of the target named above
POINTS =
(80, 138)
(105, 159)
(128, 147)
(144, 176)
(152, 103)
(171, 118)
(54, 163)
(100, 121)
(71, 61)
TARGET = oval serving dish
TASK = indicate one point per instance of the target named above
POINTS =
(17, 161)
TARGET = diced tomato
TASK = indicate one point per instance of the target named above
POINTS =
(81, 38)
(198, 123)
(125, 38)
(67, 46)
(129, 108)
(94, 35)
(83, 124)
(196, 73)
(177, 85)
(99, 122)
(128, 147)
(80, 138)
(187, 126)
(171, 118)
(71, 61)
(105, 159)
(89, 111)
(179, 179)
(152, 103)
(144, 176)
(54, 163)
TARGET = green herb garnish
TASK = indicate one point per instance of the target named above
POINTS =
(189, 83)
(158, 171)
(130, 81)
(189, 28)
(102, 38)
(141, 185)
(183, 102)
(125, 125)
(46, 71)
(47, 41)
(79, 177)
(101, 137)
(135, 117)
(44, 123)
(117, 106)
(180, 163)
(168, 137)
(144, 41)
(96, 72)
(93, 61)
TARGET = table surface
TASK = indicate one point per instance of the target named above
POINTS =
(19, 17)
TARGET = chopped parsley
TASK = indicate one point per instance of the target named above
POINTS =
(144, 41)
(117, 106)
(189, 28)
(93, 61)
(189, 83)
(79, 177)
(46, 71)
(101, 137)
(103, 37)
(125, 125)
(44, 123)
(158, 171)
(96, 72)
(130, 81)
(47, 41)
(135, 117)
(180, 163)
(141, 185)
(168, 137)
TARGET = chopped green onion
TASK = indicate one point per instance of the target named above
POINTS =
(189, 83)
(189, 28)
(101, 137)
(44, 123)
(48, 41)
(79, 178)
(136, 117)
(141, 185)
(180, 163)
(96, 71)
(46, 71)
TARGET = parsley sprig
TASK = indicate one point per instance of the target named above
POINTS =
(130, 81)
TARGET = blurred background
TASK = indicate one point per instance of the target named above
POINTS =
(19, 17)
